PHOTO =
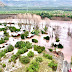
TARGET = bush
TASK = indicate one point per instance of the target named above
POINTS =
(24, 59)
(47, 56)
(32, 32)
(0, 24)
(4, 65)
(45, 29)
(26, 33)
(28, 45)
(60, 46)
(47, 37)
(13, 29)
(20, 44)
(22, 36)
(6, 38)
(35, 40)
(0, 70)
(20, 51)
(34, 66)
(9, 60)
(6, 34)
(14, 57)
(39, 51)
(10, 48)
(50, 50)
(30, 54)
(5, 50)
(53, 65)
(42, 32)
(2, 54)
(57, 40)
(36, 31)
(2, 29)
(38, 59)
(39, 48)
(25, 49)
(2, 41)
(71, 60)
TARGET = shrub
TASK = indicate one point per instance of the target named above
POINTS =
(5, 50)
(24, 30)
(10, 48)
(47, 37)
(20, 44)
(2, 54)
(47, 56)
(26, 33)
(4, 65)
(22, 36)
(13, 29)
(9, 60)
(42, 32)
(50, 50)
(36, 31)
(34, 66)
(60, 46)
(57, 40)
(32, 32)
(45, 29)
(53, 65)
(35, 40)
(2, 41)
(25, 49)
(0, 24)
(39, 51)
(71, 60)
(14, 57)
(39, 48)
(24, 59)
(30, 54)
(38, 59)
(28, 45)
(6, 38)
(20, 51)
(6, 34)
(2, 29)
(0, 70)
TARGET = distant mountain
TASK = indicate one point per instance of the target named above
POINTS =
(2, 4)
(38, 3)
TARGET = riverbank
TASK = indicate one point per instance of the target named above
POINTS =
(13, 16)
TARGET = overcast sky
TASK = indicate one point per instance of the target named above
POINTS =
(49, 2)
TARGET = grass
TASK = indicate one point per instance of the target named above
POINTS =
(43, 66)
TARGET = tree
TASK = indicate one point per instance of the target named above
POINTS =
(22, 36)
(10, 48)
(45, 29)
(30, 54)
(24, 59)
(26, 33)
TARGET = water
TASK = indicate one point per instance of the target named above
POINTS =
(62, 28)
(64, 38)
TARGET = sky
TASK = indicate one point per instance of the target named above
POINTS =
(43, 2)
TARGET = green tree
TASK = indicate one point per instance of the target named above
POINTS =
(26, 33)
(45, 29)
